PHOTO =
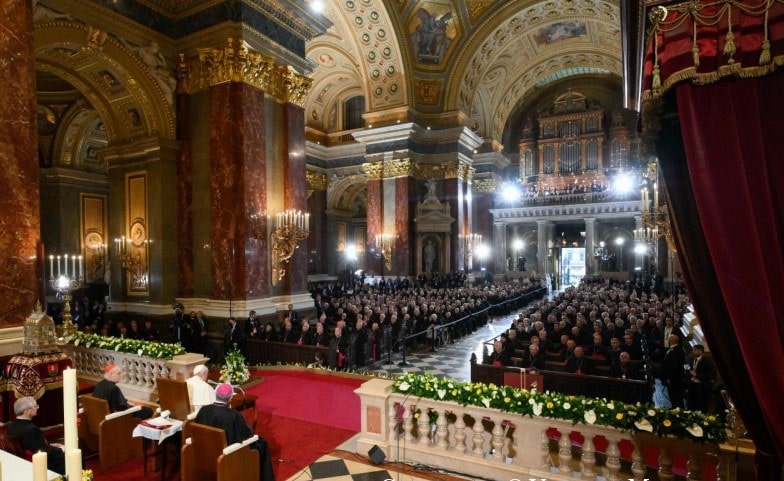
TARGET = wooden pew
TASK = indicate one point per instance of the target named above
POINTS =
(112, 438)
(173, 396)
(573, 384)
(202, 457)
(263, 352)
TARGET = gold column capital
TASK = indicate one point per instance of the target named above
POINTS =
(374, 171)
(484, 186)
(233, 62)
(400, 168)
(289, 86)
(316, 181)
(463, 172)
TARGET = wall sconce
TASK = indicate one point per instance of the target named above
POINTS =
(64, 281)
(385, 243)
(290, 227)
(131, 259)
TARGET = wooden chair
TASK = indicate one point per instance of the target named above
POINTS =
(112, 438)
(11, 444)
(173, 396)
(202, 458)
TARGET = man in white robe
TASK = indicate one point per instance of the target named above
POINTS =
(199, 391)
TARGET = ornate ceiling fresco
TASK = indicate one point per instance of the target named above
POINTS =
(439, 56)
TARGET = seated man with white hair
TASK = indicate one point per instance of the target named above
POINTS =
(200, 392)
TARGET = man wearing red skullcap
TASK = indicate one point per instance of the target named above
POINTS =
(220, 415)
(107, 389)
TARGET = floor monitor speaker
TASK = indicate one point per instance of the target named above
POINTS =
(376, 455)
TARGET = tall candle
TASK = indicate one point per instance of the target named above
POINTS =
(69, 410)
(51, 267)
(73, 266)
(39, 466)
(81, 268)
(73, 464)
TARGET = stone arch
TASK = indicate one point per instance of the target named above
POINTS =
(114, 80)
(343, 193)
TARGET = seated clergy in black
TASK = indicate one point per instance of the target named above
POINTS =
(579, 363)
(220, 415)
(534, 358)
(31, 436)
(625, 369)
(107, 389)
(499, 356)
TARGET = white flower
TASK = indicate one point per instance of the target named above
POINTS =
(611, 406)
(531, 401)
(441, 393)
(117, 348)
(140, 351)
(538, 409)
(695, 431)
(590, 416)
(404, 386)
(651, 412)
(567, 406)
(76, 343)
(644, 425)
(486, 402)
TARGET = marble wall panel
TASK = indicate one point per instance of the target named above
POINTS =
(375, 209)
(405, 202)
(296, 191)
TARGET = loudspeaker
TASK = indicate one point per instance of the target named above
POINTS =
(376, 455)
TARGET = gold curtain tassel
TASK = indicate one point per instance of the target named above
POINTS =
(656, 82)
(729, 46)
(765, 55)
(695, 52)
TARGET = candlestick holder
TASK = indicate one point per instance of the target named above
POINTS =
(290, 228)
(132, 259)
(655, 216)
(385, 244)
(64, 281)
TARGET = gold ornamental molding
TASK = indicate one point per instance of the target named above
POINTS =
(484, 186)
(400, 168)
(316, 181)
(373, 171)
(459, 171)
(236, 62)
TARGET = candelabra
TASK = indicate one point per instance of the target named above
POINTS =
(655, 217)
(96, 260)
(64, 281)
(469, 243)
(385, 244)
(131, 259)
(290, 227)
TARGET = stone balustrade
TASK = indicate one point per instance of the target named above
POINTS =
(138, 372)
(497, 445)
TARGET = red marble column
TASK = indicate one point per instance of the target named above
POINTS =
(483, 224)
(375, 226)
(296, 190)
(238, 192)
(184, 199)
(19, 204)
(405, 210)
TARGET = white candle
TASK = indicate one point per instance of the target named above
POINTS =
(39, 466)
(51, 267)
(81, 267)
(73, 464)
(65, 263)
(73, 266)
(59, 269)
(69, 410)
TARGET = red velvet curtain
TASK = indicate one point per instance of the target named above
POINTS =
(726, 183)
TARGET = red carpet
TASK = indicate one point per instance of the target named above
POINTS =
(303, 415)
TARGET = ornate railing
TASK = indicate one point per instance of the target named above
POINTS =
(492, 444)
(138, 372)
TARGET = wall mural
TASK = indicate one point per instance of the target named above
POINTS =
(432, 30)
(560, 31)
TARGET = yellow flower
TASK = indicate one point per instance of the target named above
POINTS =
(667, 423)
(416, 415)
(619, 416)
(479, 391)
(549, 405)
(454, 392)
(507, 399)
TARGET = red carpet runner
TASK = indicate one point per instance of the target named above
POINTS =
(303, 415)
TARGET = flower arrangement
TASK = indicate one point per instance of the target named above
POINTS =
(234, 371)
(159, 350)
(682, 424)
(87, 475)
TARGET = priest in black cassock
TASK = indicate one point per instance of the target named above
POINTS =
(220, 415)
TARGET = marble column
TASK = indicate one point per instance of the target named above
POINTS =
(317, 202)
(638, 258)
(375, 218)
(543, 239)
(20, 255)
(295, 192)
(405, 202)
(239, 256)
(185, 277)
(453, 191)
(590, 236)
(499, 248)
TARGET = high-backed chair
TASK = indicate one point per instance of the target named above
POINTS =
(11, 444)
(173, 396)
(112, 438)
(202, 457)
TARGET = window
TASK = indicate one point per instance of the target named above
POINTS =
(354, 109)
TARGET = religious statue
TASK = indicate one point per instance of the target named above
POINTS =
(431, 190)
(153, 58)
(430, 257)
(430, 39)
